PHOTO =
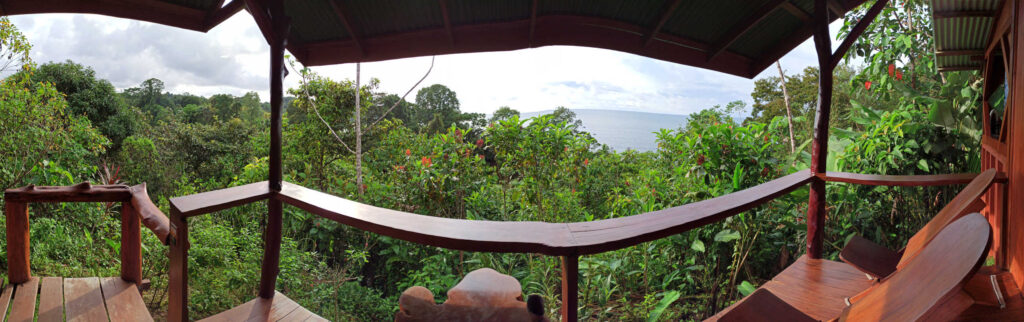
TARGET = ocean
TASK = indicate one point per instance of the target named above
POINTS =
(623, 130)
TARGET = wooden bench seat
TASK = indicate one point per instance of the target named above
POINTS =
(817, 287)
(278, 308)
(74, 299)
(929, 287)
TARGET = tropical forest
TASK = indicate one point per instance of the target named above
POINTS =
(418, 152)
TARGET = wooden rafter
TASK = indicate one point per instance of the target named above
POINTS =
(742, 27)
(217, 15)
(797, 12)
(533, 21)
(665, 15)
(963, 14)
(340, 12)
(447, 20)
(857, 30)
(969, 52)
(262, 17)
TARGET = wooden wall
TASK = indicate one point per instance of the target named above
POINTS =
(1014, 226)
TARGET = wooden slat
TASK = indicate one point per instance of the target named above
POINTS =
(83, 299)
(18, 265)
(23, 307)
(258, 309)
(207, 202)
(51, 299)
(5, 300)
(299, 314)
(124, 302)
(762, 305)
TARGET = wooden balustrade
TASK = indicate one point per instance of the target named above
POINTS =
(566, 240)
(136, 208)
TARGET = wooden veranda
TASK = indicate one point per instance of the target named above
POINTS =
(735, 37)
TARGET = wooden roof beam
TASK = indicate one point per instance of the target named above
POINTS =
(262, 17)
(968, 52)
(964, 14)
(742, 27)
(217, 15)
(857, 30)
(797, 12)
(340, 11)
(670, 8)
(447, 20)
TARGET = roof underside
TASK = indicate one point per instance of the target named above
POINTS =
(962, 29)
(739, 37)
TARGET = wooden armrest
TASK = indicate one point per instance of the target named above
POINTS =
(870, 258)
(151, 216)
(762, 305)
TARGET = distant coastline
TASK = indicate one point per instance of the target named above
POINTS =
(624, 130)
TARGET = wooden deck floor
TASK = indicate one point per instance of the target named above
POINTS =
(279, 308)
(73, 299)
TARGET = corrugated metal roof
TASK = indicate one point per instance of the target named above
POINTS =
(962, 26)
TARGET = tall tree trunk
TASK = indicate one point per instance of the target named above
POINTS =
(359, 139)
(789, 114)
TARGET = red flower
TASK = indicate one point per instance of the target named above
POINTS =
(586, 162)
(892, 68)
(481, 156)
(408, 152)
(764, 172)
(425, 161)
(458, 133)
(867, 85)
(566, 149)
(399, 167)
(899, 75)
(700, 160)
(364, 186)
(480, 143)
(765, 138)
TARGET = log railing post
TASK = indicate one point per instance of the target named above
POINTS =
(131, 244)
(570, 287)
(272, 235)
(819, 149)
(177, 301)
(18, 268)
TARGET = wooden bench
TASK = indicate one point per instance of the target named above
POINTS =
(928, 287)
(879, 261)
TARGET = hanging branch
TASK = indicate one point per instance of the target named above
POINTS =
(406, 94)
(309, 99)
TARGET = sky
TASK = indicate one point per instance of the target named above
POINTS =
(233, 58)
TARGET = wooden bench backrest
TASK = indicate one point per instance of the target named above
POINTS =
(965, 202)
(930, 285)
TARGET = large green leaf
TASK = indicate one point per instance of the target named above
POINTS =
(667, 299)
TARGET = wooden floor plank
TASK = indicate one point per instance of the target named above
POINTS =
(124, 302)
(299, 314)
(24, 305)
(316, 318)
(282, 307)
(83, 299)
(51, 300)
(5, 300)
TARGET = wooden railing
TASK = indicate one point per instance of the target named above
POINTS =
(566, 240)
(136, 208)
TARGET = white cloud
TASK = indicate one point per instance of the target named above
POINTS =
(232, 58)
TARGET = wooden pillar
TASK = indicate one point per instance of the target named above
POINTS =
(272, 235)
(18, 269)
(131, 244)
(177, 280)
(570, 287)
(819, 148)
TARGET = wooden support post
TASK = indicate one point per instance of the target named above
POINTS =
(177, 300)
(272, 236)
(18, 269)
(131, 244)
(570, 287)
(819, 148)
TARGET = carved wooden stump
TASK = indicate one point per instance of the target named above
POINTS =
(483, 295)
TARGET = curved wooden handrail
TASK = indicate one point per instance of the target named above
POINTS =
(151, 216)
(905, 180)
(561, 239)
(82, 192)
(210, 201)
